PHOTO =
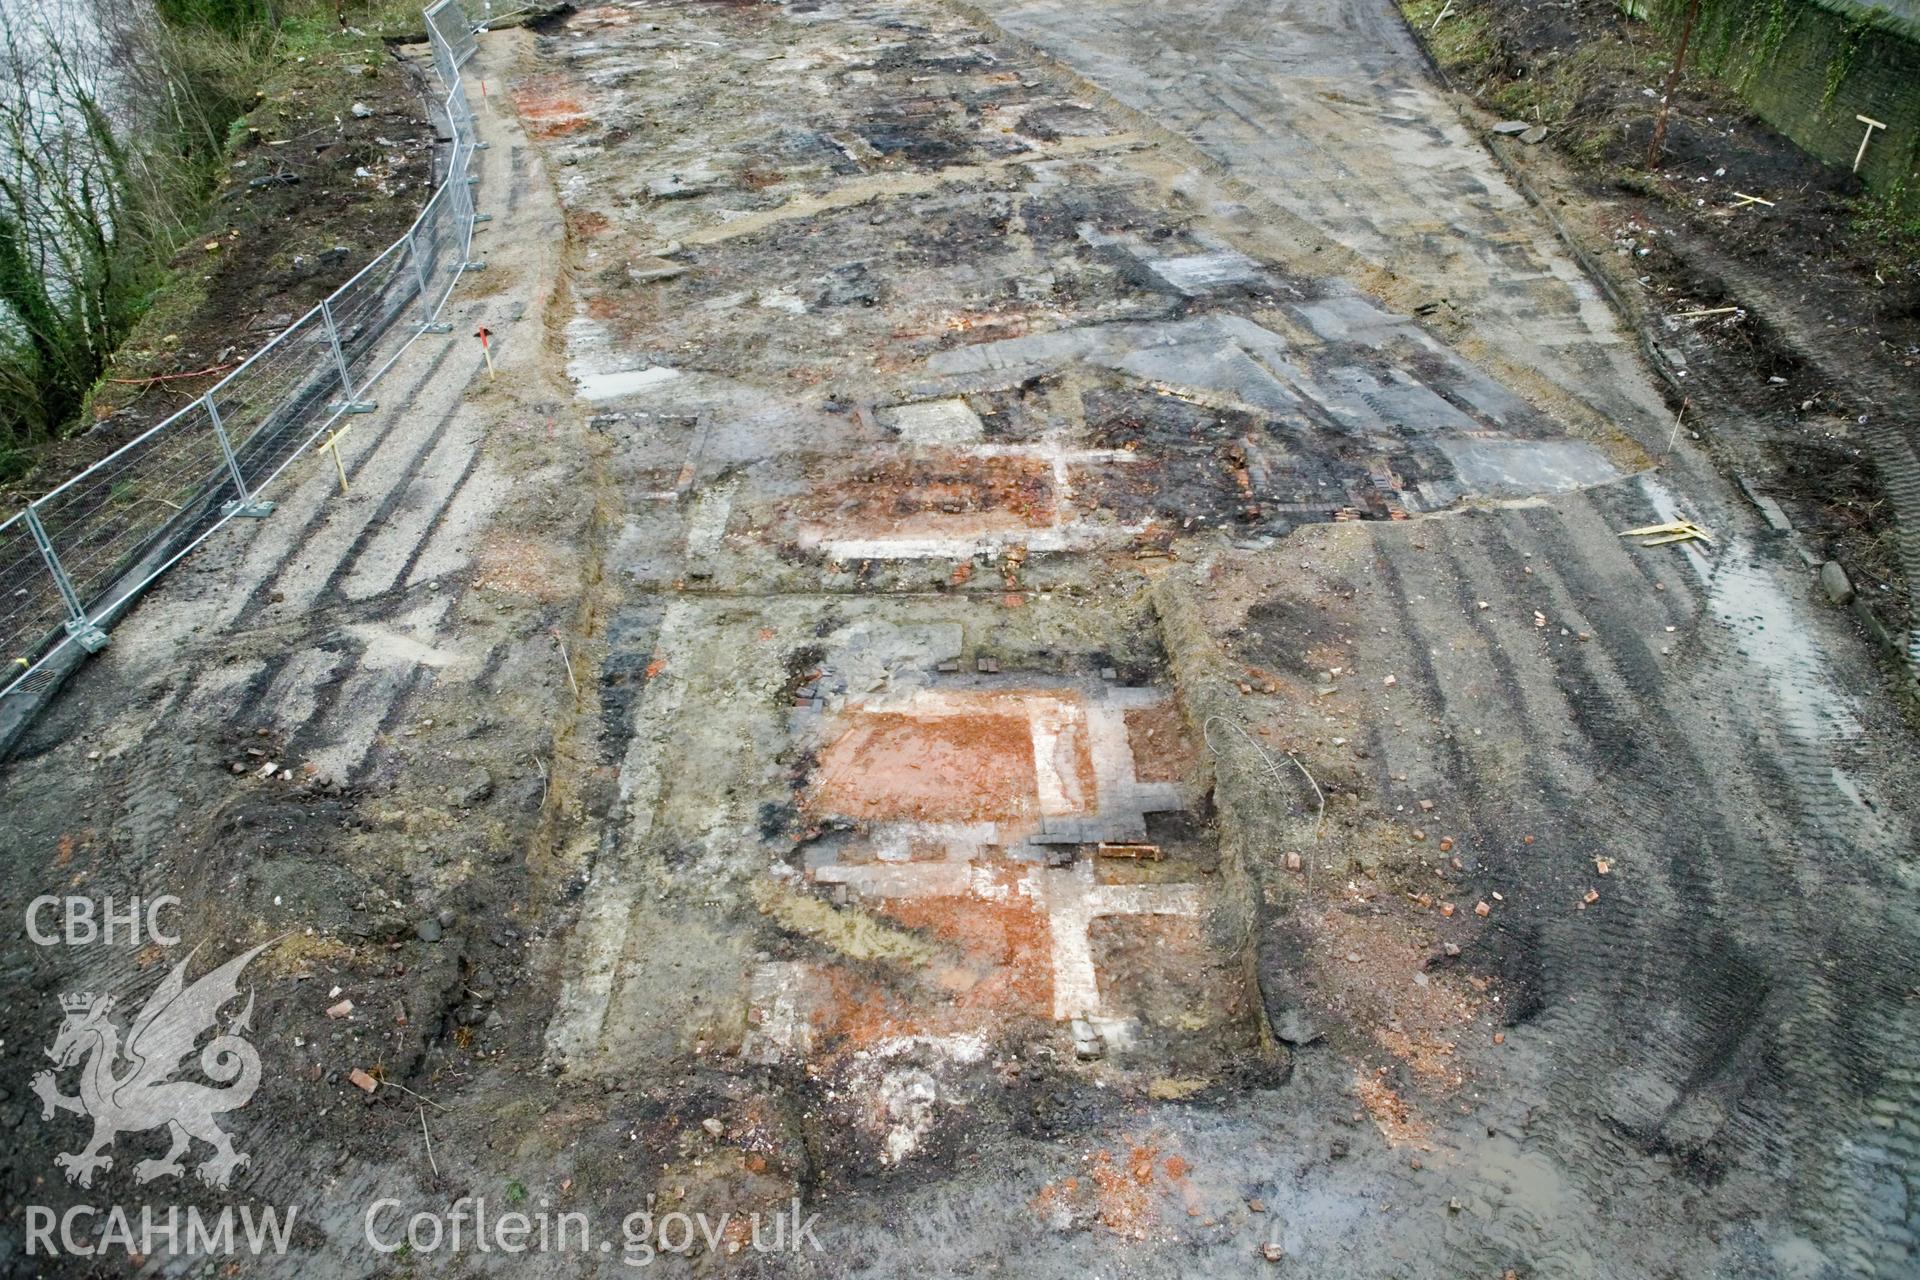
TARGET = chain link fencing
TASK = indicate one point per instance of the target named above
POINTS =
(72, 560)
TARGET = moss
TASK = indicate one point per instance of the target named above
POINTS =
(849, 930)
(1851, 34)
(230, 18)
(1888, 224)
(1773, 35)
(169, 308)
(1463, 38)
(316, 29)
(1590, 146)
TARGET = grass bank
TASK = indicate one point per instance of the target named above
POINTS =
(292, 144)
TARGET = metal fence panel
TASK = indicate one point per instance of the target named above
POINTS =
(30, 604)
(74, 557)
(271, 404)
(100, 522)
(367, 306)
(435, 255)
(453, 37)
(441, 18)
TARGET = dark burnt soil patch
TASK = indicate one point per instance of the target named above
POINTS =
(1825, 350)
(1197, 469)
(315, 189)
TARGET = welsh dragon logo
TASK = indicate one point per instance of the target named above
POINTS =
(127, 1088)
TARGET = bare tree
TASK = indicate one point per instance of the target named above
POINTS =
(1659, 142)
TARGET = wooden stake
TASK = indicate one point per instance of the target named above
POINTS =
(333, 442)
(1861, 154)
(483, 333)
(1675, 433)
(1148, 852)
(431, 1162)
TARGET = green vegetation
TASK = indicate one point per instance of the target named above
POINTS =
(1735, 45)
(1889, 221)
(1851, 34)
(1460, 39)
(100, 195)
(235, 19)
(113, 126)
(1771, 37)
(1552, 90)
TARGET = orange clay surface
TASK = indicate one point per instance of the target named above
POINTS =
(547, 111)
(997, 969)
(1162, 751)
(971, 763)
(1126, 1193)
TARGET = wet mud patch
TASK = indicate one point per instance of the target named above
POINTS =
(918, 135)
(1185, 1010)
(1137, 1192)
(624, 674)
(1070, 119)
(1379, 972)
(1304, 640)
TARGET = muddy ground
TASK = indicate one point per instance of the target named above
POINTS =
(1005, 658)
(1813, 299)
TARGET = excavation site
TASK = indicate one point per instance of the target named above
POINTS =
(873, 638)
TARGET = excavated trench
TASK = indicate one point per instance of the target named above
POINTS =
(1042, 713)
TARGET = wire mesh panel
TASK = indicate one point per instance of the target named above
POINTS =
(460, 111)
(367, 306)
(460, 195)
(442, 18)
(444, 131)
(30, 603)
(461, 39)
(274, 402)
(105, 519)
(432, 237)
(453, 38)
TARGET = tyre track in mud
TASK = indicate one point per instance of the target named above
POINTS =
(1637, 1029)
(1899, 465)
(1702, 976)
(1327, 122)
(281, 557)
(326, 567)
(210, 655)
(1695, 1016)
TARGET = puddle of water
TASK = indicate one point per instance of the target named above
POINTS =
(608, 386)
